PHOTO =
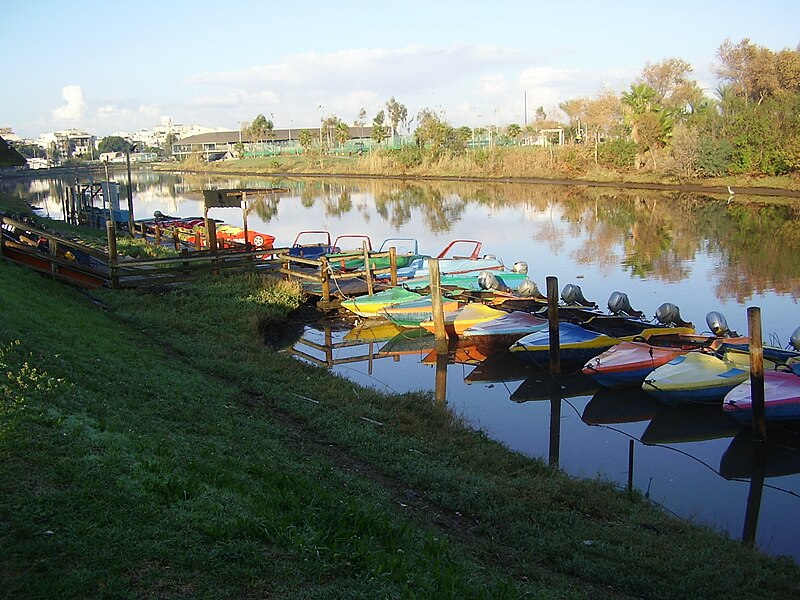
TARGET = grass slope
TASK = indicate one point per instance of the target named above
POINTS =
(153, 446)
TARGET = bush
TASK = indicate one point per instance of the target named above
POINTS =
(714, 157)
(619, 153)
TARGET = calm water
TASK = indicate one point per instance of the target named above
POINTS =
(698, 252)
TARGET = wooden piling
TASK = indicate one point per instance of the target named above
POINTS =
(630, 465)
(757, 374)
(367, 267)
(436, 304)
(393, 265)
(111, 235)
(326, 282)
(552, 316)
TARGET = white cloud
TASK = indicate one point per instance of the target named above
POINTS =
(75, 106)
(494, 85)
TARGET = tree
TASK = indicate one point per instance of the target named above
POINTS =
(513, 131)
(361, 120)
(439, 137)
(169, 140)
(306, 139)
(397, 114)
(260, 129)
(341, 132)
(685, 144)
(756, 72)
(379, 130)
(114, 143)
(602, 114)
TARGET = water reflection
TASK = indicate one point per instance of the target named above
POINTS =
(669, 441)
(751, 248)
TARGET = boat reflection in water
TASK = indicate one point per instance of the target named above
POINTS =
(609, 406)
(689, 423)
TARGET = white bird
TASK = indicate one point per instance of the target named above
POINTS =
(730, 197)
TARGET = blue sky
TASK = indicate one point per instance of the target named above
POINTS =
(120, 66)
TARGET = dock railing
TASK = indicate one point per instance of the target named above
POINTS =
(85, 266)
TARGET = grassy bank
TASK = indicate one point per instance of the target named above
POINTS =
(153, 445)
(555, 163)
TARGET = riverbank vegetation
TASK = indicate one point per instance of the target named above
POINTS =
(159, 444)
(664, 129)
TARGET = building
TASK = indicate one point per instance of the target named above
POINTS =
(70, 142)
(221, 145)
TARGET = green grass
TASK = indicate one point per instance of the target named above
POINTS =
(155, 447)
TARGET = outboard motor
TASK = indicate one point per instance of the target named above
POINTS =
(619, 304)
(488, 281)
(520, 267)
(795, 339)
(669, 314)
(573, 295)
(718, 325)
(529, 289)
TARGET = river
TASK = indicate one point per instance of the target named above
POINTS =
(703, 253)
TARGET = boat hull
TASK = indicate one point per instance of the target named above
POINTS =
(781, 398)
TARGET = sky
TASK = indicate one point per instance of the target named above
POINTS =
(110, 67)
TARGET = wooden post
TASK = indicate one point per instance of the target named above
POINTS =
(367, 268)
(111, 234)
(158, 234)
(326, 282)
(552, 316)
(130, 193)
(630, 465)
(754, 493)
(53, 247)
(436, 305)
(244, 222)
(175, 238)
(393, 265)
(757, 374)
(440, 388)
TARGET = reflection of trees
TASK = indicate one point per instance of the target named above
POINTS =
(655, 235)
(266, 207)
(759, 250)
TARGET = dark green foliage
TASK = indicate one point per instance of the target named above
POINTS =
(714, 157)
(618, 153)
(114, 143)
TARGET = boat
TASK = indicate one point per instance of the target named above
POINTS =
(505, 329)
(414, 312)
(371, 304)
(474, 281)
(631, 361)
(689, 423)
(610, 406)
(581, 342)
(406, 251)
(698, 376)
(231, 236)
(456, 322)
(781, 398)
(312, 244)
(453, 260)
